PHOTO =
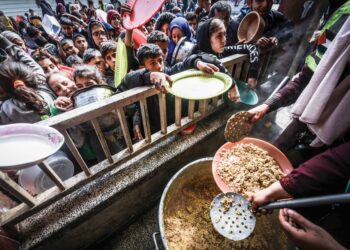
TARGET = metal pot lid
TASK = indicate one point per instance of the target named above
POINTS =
(79, 91)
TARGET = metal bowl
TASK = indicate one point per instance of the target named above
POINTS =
(93, 94)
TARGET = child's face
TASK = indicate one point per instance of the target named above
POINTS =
(218, 40)
(98, 34)
(70, 49)
(61, 85)
(99, 63)
(48, 66)
(155, 64)
(176, 35)
(110, 59)
(115, 22)
(164, 47)
(83, 82)
(165, 29)
(81, 44)
(193, 24)
(261, 6)
(67, 30)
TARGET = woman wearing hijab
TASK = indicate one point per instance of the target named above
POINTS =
(114, 19)
(179, 28)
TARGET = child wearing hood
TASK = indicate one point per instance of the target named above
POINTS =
(97, 34)
(211, 36)
(179, 28)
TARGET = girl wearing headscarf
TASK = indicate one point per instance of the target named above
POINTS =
(179, 28)
(114, 19)
(97, 34)
(211, 37)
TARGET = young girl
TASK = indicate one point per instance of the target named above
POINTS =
(23, 99)
(178, 28)
(211, 36)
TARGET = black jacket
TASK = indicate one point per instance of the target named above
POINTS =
(203, 45)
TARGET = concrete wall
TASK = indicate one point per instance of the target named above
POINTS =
(114, 199)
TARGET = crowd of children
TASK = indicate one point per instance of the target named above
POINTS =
(43, 68)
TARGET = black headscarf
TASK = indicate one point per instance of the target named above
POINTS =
(89, 31)
(203, 37)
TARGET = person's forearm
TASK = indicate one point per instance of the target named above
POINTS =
(277, 192)
(128, 38)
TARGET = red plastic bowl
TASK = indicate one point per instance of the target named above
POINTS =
(138, 38)
(280, 158)
(141, 12)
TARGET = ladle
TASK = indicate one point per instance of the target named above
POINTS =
(232, 217)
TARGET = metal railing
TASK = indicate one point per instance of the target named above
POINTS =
(237, 64)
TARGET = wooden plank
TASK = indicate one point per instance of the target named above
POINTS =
(96, 109)
(262, 60)
(145, 120)
(102, 139)
(93, 110)
(191, 105)
(267, 62)
(203, 107)
(16, 190)
(177, 111)
(163, 114)
(125, 128)
(73, 149)
(245, 71)
(215, 101)
(231, 60)
(52, 175)
(238, 71)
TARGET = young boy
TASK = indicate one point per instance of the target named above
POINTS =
(67, 28)
(161, 39)
(68, 47)
(192, 21)
(155, 72)
(94, 57)
(108, 52)
(80, 43)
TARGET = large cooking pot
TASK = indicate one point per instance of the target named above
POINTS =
(93, 94)
(198, 174)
